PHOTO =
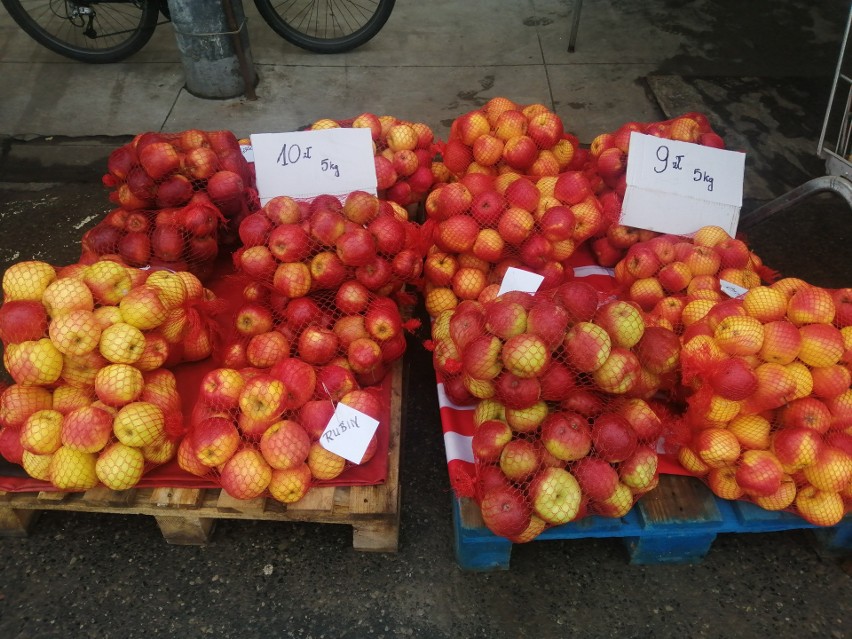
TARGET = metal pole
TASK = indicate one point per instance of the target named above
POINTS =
(216, 57)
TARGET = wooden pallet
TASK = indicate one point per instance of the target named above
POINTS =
(675, 523)
(188, 516)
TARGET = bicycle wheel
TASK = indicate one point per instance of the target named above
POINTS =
(326, 26)
(94, 32)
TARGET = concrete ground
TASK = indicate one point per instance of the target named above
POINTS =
(761, 71)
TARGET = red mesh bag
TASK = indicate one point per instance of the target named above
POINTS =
(562, 382)
(177, 193)
(482, 225)
(769, 415)
(405, 155)
(91, 400)
(606, 169)
(351, 326)
(257, 431)
(504, 136)
(299, 247)
(676, 280)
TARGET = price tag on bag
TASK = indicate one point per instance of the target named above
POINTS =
(348, 433)
(304, 164)
(678, 187)
(517, 279)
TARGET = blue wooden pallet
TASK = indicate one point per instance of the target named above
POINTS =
(675, 523)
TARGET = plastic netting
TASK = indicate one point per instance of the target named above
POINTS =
(296, 247)
(258, 431)
(404, 155)
(87, 347)
(563, 384)
(768, 413)
(180, 196)
(606, 168)
(481, 226)
(504, 136)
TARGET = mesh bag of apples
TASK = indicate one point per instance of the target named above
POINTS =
(606, 168)
(504, 136)
(179, 195)
(769, 417)
(563, 385)
(404, 155)
(296, 247)
(482, 225)
(86, 346)
(257, 431)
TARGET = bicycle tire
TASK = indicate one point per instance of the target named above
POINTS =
(47, 22)
(326, 26)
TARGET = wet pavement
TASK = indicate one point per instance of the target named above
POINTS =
(760, 72)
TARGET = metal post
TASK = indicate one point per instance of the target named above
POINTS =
(216, 57)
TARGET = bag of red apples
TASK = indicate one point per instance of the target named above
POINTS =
(482, 225)
(769, 410)
(404, 155)
(86, 346)
(504, 136)
(257, 431)
(178, 194)
(606, 169)
(565, 423)
(297, 247)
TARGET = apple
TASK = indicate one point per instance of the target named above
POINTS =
(566, 435)
(292, 279)
(253, 319)
(819, 507)
(782, 342)
(781, 499)
(220, 388)
(121, 343)
(489, 439)
(285, 444)
(245, 475)
(752, 431)
(639, 470)
(555, 495)
(36, 362)
(810, 305)
(139, 424)
(722, 480)
(291, 485)
(612, 437)
(623, 322)
(214, 440)
(87, 429)
(619, 373)
(717, 447)
(832, 470)
(557, 381)
(515, 225)
(527, 419)
(317, 344)
(364, 356)
(27, 280)
(525, 355)
(41, 433)
(505, 511)
(821, 345)
(830, 381)
(644, 421)
(265, 349)
(587, 346)
(22, 321)
(262, 397)
(519, 459)
(324, 464)
(120, 467)
(375, 275)
(72, 470)
(516, 392)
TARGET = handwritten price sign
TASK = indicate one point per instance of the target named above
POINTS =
(348, 433)
(677, 187)
(305, 164)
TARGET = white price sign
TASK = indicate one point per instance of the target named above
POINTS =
(678, 187)
(348, 433)
(304, 164)
(517, 279)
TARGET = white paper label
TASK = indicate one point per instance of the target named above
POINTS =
(348, 433)
(517, 279)
(248, 152)
(304, 164)
(678, 187)
(732, 290)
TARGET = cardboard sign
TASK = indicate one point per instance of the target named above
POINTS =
(517, 279)
(304, 164)
(678, 187)
(348, 433)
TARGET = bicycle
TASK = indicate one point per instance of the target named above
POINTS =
(98, 32)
